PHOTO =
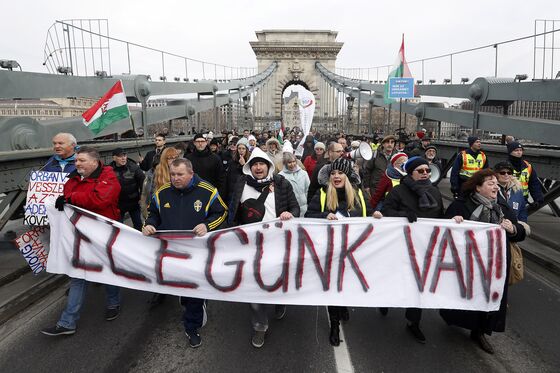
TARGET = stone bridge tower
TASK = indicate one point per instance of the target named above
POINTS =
(296, 52)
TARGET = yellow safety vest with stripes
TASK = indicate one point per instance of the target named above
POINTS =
(360, 195)
(523, 177)
(395, 182)
(470, 164)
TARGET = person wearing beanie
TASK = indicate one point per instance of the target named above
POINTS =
(214, 146)
(260, 190)
(310, 162)
(511, 191)
(467, 163)
(376, 166)
(206, 164)
(525, 173)
(391, 178)
(415, 197)
(339, 196)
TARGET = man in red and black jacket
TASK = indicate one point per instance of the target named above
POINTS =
(94, 187)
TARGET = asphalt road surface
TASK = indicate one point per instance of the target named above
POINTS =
(145, 339)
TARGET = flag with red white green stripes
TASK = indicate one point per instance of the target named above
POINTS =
(399, 70)
(111, 108)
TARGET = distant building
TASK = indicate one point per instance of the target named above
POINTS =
(51, 108)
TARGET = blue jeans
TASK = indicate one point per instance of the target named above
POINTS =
(135, 216)
(76, 297)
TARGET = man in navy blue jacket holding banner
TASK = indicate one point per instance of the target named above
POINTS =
(187, 203)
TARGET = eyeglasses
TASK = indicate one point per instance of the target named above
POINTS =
(423, 171)
(505, 173)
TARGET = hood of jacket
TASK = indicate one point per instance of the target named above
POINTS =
(258, 153)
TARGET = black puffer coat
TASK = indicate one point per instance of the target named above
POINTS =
(402, 199)
(208, 166)
(131, 179)
(284, 198)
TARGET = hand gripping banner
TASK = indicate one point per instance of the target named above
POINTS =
(355, 262)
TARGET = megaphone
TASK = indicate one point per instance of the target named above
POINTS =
(363, 151)
(435, 174)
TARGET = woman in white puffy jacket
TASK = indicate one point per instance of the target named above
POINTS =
(298, 178)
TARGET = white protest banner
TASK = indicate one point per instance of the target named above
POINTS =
(355, 262)
(34, 246)
(43, 187)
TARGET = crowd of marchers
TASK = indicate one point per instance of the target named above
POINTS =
(241, 178)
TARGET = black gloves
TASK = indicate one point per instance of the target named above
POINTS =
(411, 216)
(59, 203)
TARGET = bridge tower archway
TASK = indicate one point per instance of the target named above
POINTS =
(295, 52)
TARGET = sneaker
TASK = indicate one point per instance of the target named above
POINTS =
(279, 312)
(204, 314)
(258, 339)
(194, 339)
(58, 330)
(416, 332)
(482, 342)
(112, 313)
(383, 311)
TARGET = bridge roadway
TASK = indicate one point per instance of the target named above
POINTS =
(145, 339)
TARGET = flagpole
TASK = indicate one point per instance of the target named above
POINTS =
(400, 115)
(135, 136)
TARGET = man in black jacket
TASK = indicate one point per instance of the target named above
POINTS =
(415, 197)
(131, 179)
(206, 164)
(152, 157)
(280, 203)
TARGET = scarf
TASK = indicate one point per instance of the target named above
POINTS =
(288, 171)
(488, 210)
(421, 188)
(394, 173)
(259, 185)
(63, 162)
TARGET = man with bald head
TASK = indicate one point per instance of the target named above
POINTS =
(64, 158)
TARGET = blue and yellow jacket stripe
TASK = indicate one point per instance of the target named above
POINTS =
(183, 209)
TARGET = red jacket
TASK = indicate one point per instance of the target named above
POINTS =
(98, 192)
(309, 163)
(384, 186)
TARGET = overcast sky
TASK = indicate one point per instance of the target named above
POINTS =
(220, 31)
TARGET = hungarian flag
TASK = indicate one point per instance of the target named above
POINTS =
(109, 109)
(399, 70)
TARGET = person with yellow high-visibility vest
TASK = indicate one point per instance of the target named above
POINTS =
(525, 173)
(392, 177)
(339, 197)
(467, 163)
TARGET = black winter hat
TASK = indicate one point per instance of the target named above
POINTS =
(198, 136)
(413, 163)
(513, 145)
(503, 166)
(472, 139)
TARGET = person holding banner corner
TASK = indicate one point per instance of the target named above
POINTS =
(479, 202)
(186, 203)
(93, 187)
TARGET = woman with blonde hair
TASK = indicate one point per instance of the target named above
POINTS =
(161, 176)
(339, 197)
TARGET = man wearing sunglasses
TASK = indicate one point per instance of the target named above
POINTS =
(511, 191)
